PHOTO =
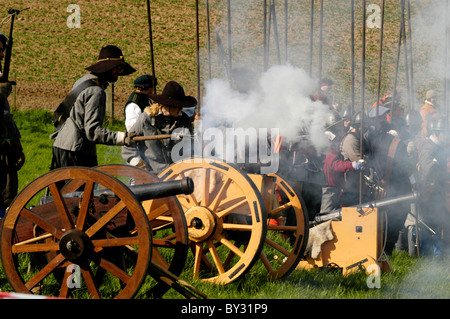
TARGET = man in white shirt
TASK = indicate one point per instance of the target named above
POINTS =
(144, 86)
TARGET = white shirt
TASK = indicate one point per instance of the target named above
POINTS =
(132, 112)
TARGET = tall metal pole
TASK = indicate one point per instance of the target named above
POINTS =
(266, 54)
(380, 59)
(209, 39)
(411, 56)
(149, 16)
(229, 36)
(275, 30)
(445, 57)
(353, 54)
(311, 38)
(363, 87)
(399, 47)
(320, 41)
(405, 49)
(446, 34)
(197, 30)
(285, 31)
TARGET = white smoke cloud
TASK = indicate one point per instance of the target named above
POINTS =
(280, 99)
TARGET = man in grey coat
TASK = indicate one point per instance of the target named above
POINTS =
(164, 116)
(75, 142)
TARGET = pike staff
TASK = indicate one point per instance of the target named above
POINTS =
(353, 53)
(362, 96)
(197, 31)
(411, 55)
(149, 16)
(405, 53)
(380, 59)
(311, 38)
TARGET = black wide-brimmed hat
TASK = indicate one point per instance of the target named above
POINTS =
(173, 95)
(110, 56)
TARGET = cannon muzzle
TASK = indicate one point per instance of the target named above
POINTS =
(408, 198)
(337, 213)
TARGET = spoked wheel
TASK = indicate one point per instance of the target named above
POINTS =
(75, 229)
(287, 231)
(225, 216)
(170, 239)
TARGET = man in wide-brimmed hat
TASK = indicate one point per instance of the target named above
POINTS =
(75, 142)
(163, 116)
(138, 100)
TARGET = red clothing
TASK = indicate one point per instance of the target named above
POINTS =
(334, 168)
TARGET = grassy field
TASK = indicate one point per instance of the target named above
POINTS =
(415, 278)
(48, 55)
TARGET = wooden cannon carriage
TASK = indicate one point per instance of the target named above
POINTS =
(89, 217)
(116, 233)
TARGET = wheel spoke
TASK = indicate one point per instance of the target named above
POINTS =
(230, 209)
(229, 245)
(114, 270)
(33, 248)
(157, 212)
(230, 226)
(215, 256)
(282, 228)
(278, 247)
(280, 209)
(163, 243)
(105, 218)
(89, 280)
(206, 184)
(44, 272)
(266, 263)
(26, 213)
(221, 194)
(115, 242)
(198, 252)
(61, 207)
(85, 203)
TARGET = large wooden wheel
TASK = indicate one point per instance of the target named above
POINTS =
(166, 217)
(288, 230)
(225, 215)
(76, 229)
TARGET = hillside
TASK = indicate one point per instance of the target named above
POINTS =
(48, 55)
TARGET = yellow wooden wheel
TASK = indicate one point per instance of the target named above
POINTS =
(225, 216)
(288, 230)
(75, 229)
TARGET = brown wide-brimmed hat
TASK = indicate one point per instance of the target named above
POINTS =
(110, 56)
(173, 95)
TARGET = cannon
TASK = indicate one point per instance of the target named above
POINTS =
(88, 217)
(357, 240)
(235, 218)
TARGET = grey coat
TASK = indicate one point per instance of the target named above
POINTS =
(83, 129)
(156, 153)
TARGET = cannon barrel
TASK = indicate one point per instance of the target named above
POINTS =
(407, 198)
(156, 190)
(337, 213)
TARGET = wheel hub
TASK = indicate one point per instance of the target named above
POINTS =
(201, 223)
(75, 245)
